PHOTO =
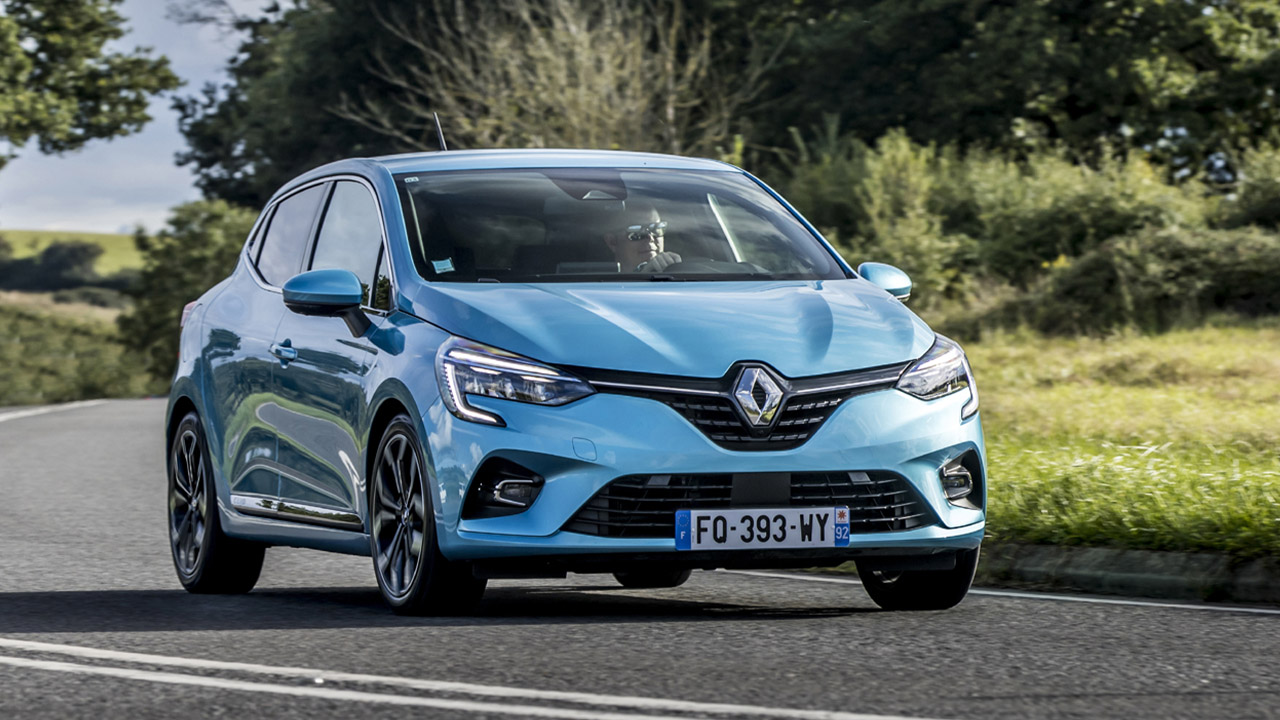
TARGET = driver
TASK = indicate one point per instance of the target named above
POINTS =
(638, 244)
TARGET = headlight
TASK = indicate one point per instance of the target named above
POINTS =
(942, 371)
(467, 368)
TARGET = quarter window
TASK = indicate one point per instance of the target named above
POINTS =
(350, 235)
(382, 286)
(286, 239)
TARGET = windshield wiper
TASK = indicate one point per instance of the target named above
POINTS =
(660, 277)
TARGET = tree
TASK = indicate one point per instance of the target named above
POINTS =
(1185, 79)
(557, 73)
(60, 86)
(272, 119)
(197, 250)
(282, 109)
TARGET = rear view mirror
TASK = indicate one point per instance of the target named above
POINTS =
(887, 278)
(328, 293)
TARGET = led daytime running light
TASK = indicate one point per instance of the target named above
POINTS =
(465, 368)
(942, 371)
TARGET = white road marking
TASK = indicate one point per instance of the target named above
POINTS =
(621, 702)
(1028, 595)
(48, 409)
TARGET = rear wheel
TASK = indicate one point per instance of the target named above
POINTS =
(415, 579)
(922, 589)
(657, 578)
(207, 560)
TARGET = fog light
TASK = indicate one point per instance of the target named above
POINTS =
(517, 492)
(501, 487)
(957, 481)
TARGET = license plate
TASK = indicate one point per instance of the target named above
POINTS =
(762, 529)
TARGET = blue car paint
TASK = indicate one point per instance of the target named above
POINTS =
(799, 328)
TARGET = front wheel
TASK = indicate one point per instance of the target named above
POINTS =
(415, 579)
(922, 589)
(207, 560)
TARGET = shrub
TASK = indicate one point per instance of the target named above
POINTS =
(1257, 197)
(96, 296)
(946, 217)
(1026, 214)
(875, 203)
(1153, 280)
(50, 358)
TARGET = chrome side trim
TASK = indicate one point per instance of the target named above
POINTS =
(254, 504)
(263, 506)
(319, 516)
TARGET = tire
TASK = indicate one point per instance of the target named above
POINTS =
(922, 589)
(651, 579)
(206, 559)
(415, 579)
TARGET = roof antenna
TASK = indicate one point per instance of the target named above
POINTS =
(439, 132)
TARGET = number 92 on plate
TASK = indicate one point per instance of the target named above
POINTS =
(749, 529)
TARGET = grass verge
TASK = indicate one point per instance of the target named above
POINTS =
(1166, 442)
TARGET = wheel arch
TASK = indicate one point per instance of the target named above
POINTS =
(391, 399)
(178, 409)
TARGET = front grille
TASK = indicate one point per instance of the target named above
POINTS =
(708, 404)
(716, 417)
(643, 506)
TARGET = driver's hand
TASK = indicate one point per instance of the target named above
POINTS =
(659, 262)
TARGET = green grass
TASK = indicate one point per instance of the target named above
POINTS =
(1165, 442)
(119, 252)
(51, 357)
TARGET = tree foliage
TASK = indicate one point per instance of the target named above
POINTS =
(58, 82)
(273, 117)
(198, 249)
(1184, 79)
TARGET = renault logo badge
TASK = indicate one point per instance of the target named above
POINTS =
(758, 395)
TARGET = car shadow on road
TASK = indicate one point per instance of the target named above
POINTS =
(331, 608)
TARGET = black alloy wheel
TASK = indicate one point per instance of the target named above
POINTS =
(652, 578)
(207, 560)
(415, 579)
(922, 589)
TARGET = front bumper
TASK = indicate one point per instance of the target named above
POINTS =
(581, 447)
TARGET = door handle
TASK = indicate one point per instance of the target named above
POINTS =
(285, 352)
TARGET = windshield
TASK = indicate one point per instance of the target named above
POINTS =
(602, 224)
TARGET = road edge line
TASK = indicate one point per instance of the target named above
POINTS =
(46, 409)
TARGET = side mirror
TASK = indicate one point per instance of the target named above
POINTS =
(328, 293)
(887, 278)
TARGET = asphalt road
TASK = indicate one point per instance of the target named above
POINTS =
(93, 624)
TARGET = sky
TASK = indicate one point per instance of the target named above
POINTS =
(113, 186)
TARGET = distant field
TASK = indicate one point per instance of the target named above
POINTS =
(119, 251)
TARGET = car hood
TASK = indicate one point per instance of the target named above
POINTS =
(692, 329)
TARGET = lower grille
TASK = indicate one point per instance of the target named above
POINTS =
(643, 506)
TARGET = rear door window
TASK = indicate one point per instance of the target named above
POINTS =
(350, 235)
(286, 240)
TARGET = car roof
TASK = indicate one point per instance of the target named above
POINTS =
(517, 159)
(506, 160)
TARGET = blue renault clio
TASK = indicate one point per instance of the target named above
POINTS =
(482, 364)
